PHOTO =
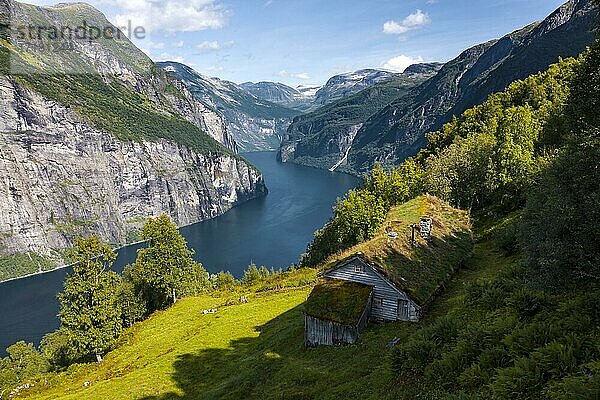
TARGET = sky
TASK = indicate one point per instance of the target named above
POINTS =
(300, 42)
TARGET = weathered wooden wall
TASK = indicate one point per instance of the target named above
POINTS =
(385, 296)
(318, 332)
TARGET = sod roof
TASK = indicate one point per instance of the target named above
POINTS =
(338, 301)
(419, 271)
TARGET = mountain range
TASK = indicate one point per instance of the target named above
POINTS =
(329, 131)
(300, 98)
(397, 131)
(95, 139)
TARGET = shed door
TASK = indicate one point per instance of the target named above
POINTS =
(403, 310)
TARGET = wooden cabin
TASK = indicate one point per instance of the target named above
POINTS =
(403, 270)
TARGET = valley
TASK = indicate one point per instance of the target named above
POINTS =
(301, 204)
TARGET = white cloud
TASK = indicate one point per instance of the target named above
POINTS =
(268, 3)
(170, 16)
(169, 57)
(302, 75)
(178, 44)
(413, 21)
(215, 68)
(213, 45)
(401, 62)
(167, 16)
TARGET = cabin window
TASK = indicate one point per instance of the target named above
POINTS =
(359, 268)
(378, 302)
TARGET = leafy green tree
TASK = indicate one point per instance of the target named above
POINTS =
(252, 275)
(58, 349)
(88, 308)
(461, 172)
(132, 305)
(26, 361)
(166, 270)
(398, 185)
(356, 218)
(23, 362)
(559, 232)
(223, 280)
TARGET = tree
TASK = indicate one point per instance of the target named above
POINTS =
(166, 268)
(132, 305)
(57, 348)
(252, 275)
(356, 219)
(88, 308)
(560, 235)
(223, 280)
(398, 185)
(23, 362)
(461, 173)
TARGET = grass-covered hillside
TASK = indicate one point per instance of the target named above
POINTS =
(417, 271)
(255, 349)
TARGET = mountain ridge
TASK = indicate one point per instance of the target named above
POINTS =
(398, 131)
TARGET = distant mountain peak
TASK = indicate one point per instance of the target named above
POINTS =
(349, 83)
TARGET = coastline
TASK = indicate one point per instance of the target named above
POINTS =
(62, 266)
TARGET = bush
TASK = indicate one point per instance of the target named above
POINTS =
(223, 280)
(254, 275)
(414, 355)
(58, 349)
(507, 238)
(356, 219)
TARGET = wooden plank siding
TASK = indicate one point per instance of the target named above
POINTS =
(318, 332)
(386, 296)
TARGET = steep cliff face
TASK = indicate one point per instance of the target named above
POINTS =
(96, 139)
(255, 124)
(62, 178)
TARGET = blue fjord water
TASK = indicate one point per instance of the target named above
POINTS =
(271, 231)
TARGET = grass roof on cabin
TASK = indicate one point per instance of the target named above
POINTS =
(338, 301)
(417, 271)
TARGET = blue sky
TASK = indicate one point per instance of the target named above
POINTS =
(308, 41)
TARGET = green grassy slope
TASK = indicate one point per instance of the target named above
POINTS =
(253, 350)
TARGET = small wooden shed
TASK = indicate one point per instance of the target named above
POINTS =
(336, 312)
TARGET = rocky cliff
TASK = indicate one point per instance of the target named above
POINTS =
(97, 140)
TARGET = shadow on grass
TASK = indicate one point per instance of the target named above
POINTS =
(239, 371)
